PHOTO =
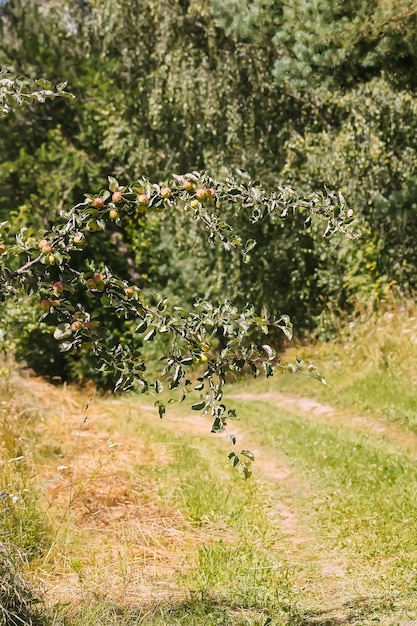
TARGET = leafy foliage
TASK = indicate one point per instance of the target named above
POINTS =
(76, 296)
(309, 96)
(16, 91)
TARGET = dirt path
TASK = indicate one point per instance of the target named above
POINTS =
(94, 485)
(325, 413)
(321, 573)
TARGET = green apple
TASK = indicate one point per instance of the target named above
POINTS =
(79, 239)
(188, 185)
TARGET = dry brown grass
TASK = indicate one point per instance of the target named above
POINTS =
(115, 538)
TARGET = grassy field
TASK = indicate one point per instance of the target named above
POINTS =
(121, 518)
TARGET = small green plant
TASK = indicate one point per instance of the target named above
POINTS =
(23, 522)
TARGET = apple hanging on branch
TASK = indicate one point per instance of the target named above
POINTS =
(48, 265)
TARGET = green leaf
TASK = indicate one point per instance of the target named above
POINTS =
(198, 406)
(66, 346)
(270, 351)
(284, 323)
(178, 373)
(113, 184)
(248, 454)
(217, 426)
(45, 84)
(141, 327)
(250, 245)
(161, 408)
(234, 459)
(62, 331)
(247, 471)
(150, 335)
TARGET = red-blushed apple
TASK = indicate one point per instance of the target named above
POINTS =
(46, 304)
(3, 248)
(98, 203)
(143, 199)
(188, 185)
(95, 282)
(117, 197)
(58, 286)
(166, 192)
(88, 325)
(201, 194)
(43, 243)
(91, 283)
(77, 325)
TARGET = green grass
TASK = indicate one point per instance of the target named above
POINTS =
(365, 486)
(324, 533)
(371, 368)
(25, 532)
(239, 568)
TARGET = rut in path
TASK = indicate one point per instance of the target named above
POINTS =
(325, 413)
(304, 550)
(316, 568)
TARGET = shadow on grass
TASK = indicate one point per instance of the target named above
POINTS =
(360, 611)
(210, 611)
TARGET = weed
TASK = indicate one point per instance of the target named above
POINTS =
(19, 605)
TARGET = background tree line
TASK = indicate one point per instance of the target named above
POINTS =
(307, 94)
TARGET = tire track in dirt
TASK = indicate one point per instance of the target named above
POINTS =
(327, 414)
(319, 572)
(312, 563)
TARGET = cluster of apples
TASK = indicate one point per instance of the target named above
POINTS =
(201, 195)
(79, 325)
(96, 283)
(47, 250)
(58, 288)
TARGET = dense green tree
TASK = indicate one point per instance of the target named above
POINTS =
(310, 94)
